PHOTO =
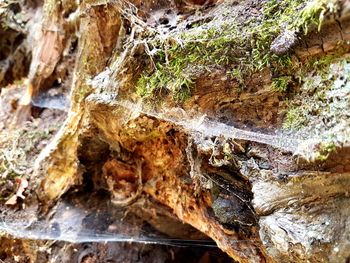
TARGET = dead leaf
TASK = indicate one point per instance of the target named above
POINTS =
(12, 200)
(22, 185)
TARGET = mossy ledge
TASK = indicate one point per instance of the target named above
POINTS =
(239, 47)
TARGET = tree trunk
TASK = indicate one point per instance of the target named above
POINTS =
(189, 122)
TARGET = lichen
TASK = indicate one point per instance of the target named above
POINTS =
(320, 109)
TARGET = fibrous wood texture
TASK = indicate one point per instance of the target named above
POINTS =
(230, 117)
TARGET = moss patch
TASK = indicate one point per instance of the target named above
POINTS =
(239, 48)
(294, 119)
(324, 150)
(280, 84)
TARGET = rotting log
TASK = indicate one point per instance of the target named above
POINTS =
(228, 116)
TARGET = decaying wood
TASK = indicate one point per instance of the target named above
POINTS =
(259, 200)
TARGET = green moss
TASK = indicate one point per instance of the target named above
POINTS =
(240, 50)
(321, 64)
(299, 16)
(295, 119)
(281, 84)
(325, 149)
(313, 14)
(236, 74)
(165, 78)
